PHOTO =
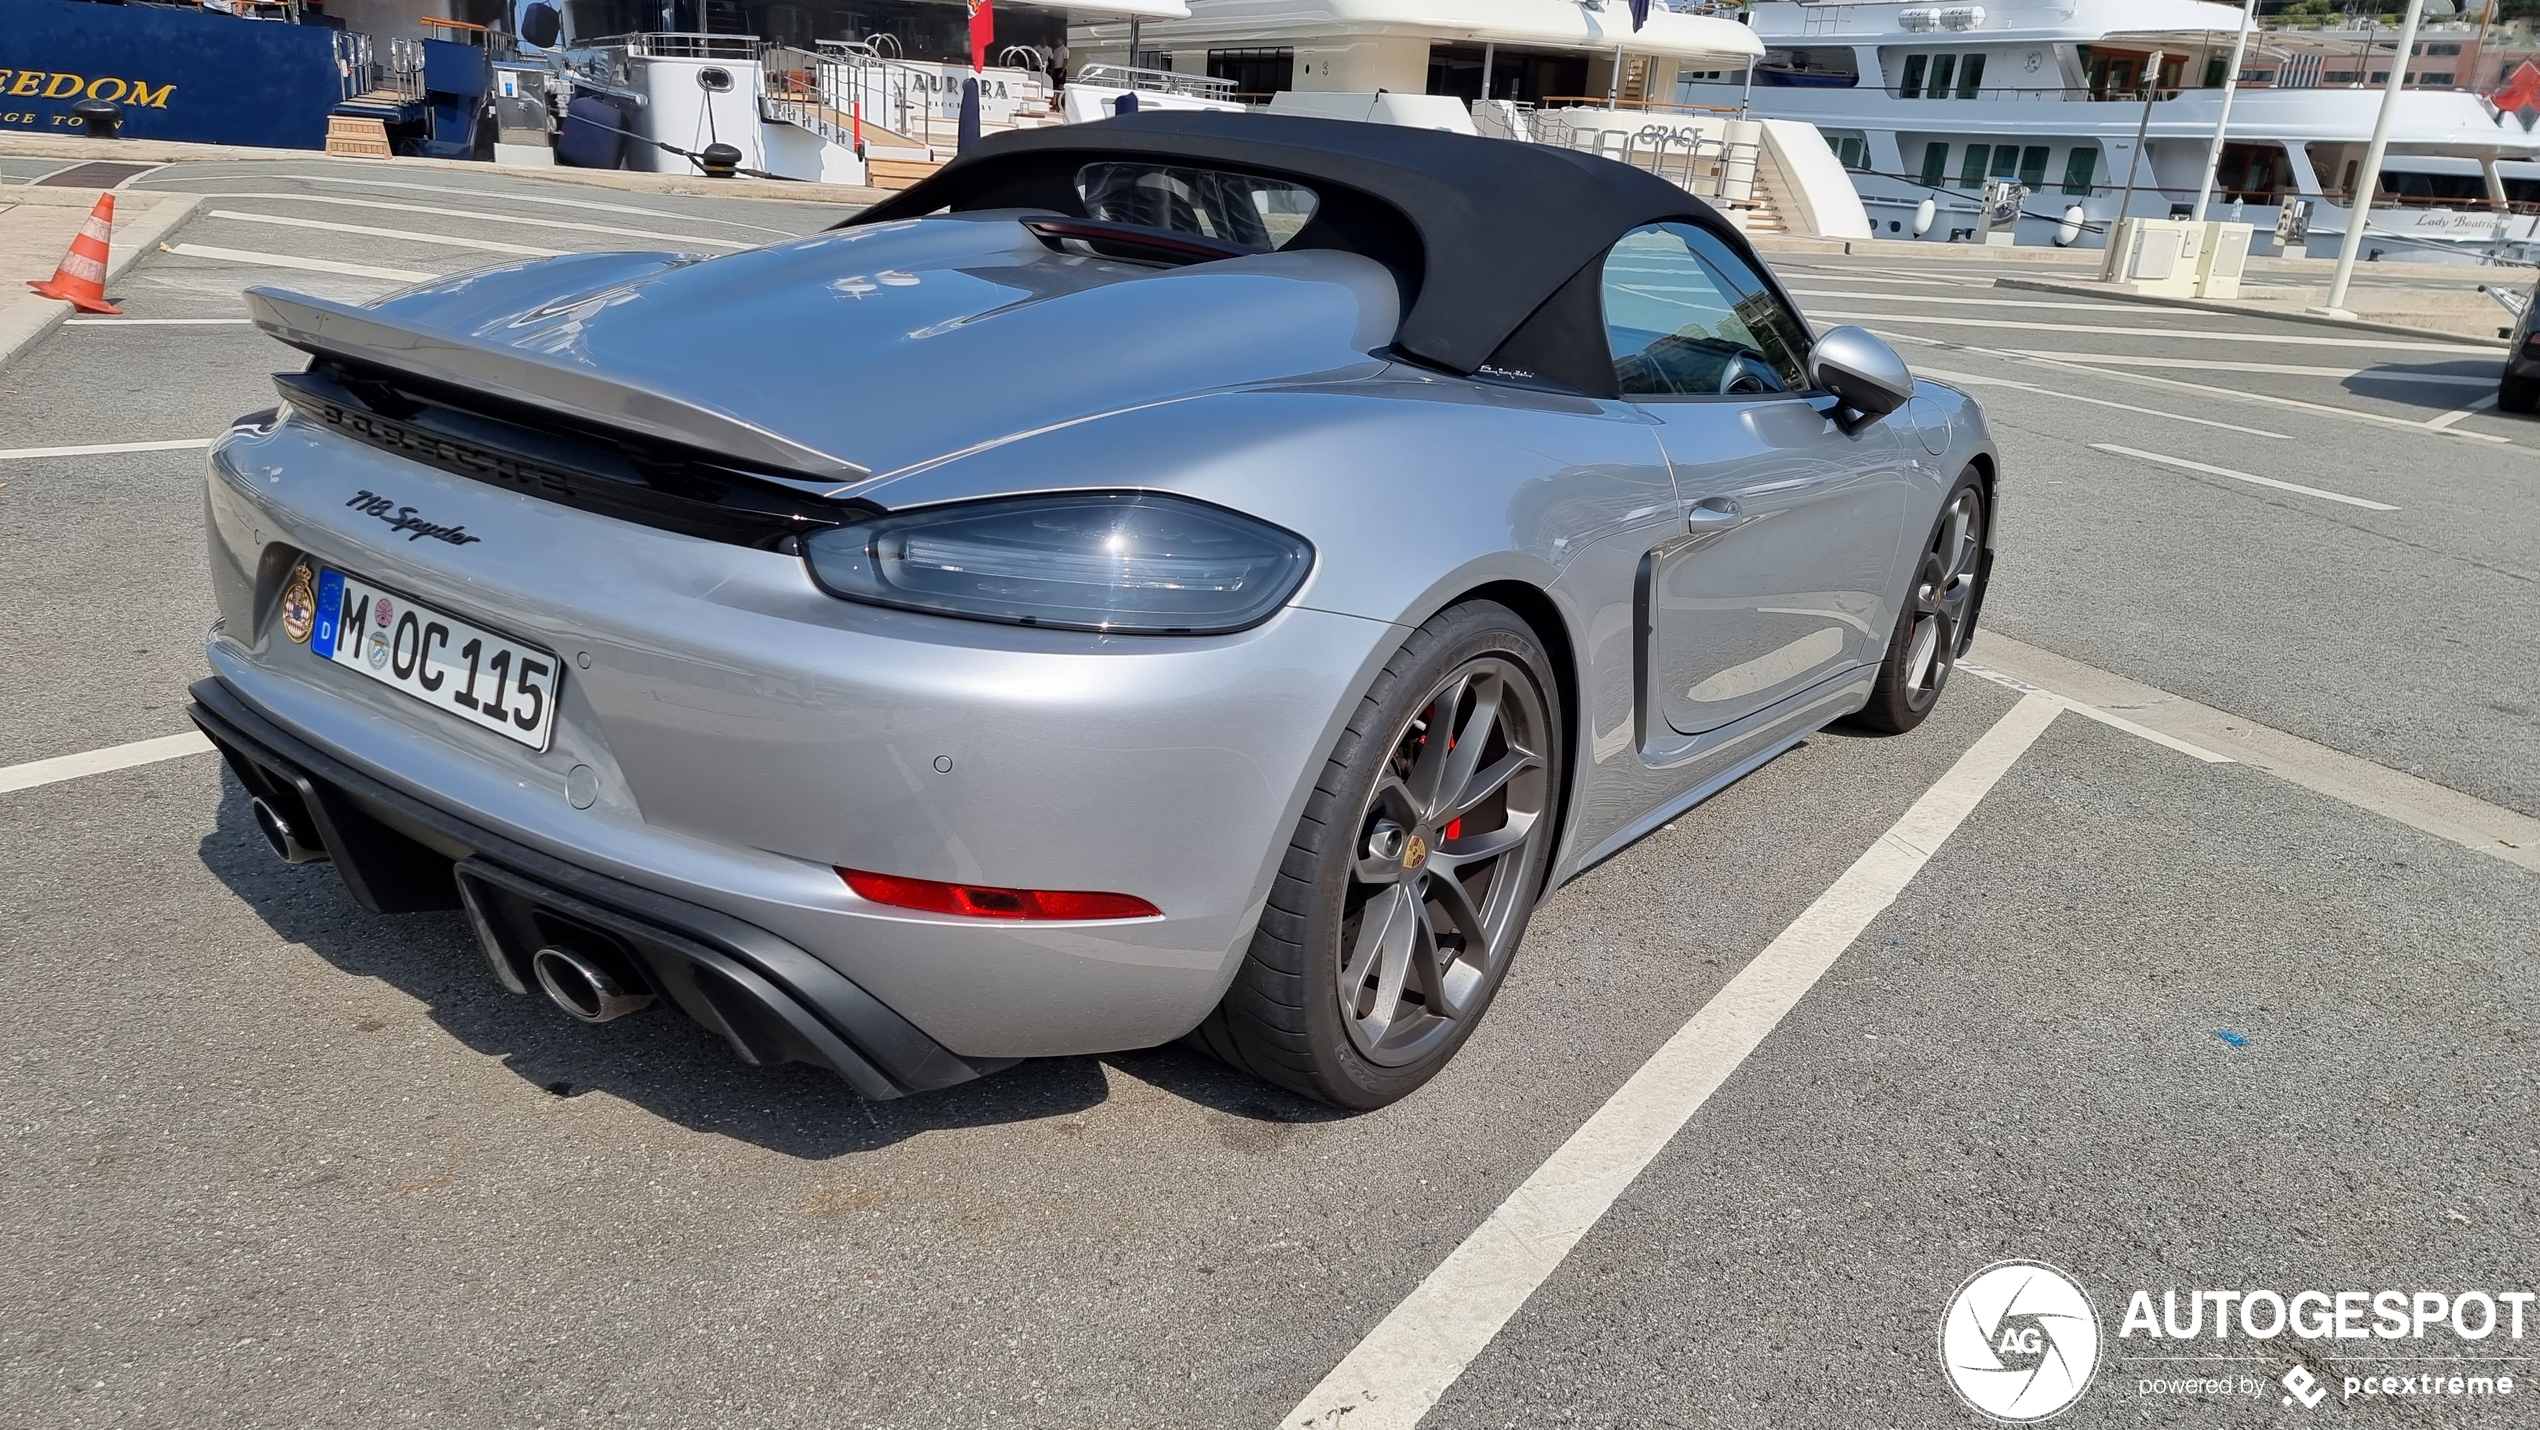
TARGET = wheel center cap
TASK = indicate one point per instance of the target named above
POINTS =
(1415, 851)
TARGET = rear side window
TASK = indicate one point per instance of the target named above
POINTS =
(1212, 203)
(1686, 317)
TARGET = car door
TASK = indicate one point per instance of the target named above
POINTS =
(1793, 518)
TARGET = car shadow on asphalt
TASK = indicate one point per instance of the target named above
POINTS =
(2440, 396)
(659, 1060)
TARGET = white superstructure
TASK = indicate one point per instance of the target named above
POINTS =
(1931, 101)
(1531, 50)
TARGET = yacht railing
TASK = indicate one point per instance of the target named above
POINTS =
(1704, 163)
(795, 88)
(1655, 106)
(1195, 86)
(403, 73)
(2078, 94)
(685, 45)
(355, 69)
(824, 88)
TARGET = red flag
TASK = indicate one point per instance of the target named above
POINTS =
(2521, 92)
(983, 30)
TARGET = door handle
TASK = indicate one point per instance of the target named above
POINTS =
(1715, 514)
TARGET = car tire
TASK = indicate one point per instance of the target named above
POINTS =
(2518, 395)
(1411, 875)
(1937, 622)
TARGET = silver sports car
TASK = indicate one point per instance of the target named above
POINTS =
(1190, 576)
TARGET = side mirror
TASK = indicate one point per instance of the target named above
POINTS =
(1862, 372)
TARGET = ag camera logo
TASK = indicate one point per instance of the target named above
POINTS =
(2019, 1341)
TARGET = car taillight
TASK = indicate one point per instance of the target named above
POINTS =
(979, 901)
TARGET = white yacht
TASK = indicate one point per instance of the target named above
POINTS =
(1931, 101)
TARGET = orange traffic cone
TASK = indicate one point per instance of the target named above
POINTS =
(81, 280)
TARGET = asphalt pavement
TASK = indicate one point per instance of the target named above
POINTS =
(2155, 1017)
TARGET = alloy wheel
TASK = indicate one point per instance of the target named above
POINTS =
(1943, 592)
(1444, 844)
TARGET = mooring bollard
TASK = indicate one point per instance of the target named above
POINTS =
(99, 118)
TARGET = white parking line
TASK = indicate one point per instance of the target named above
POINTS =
(509, 196)
(2285, 369)
(98, 762)
(2211, 734)
(2212, 471)
(2224, 394)
(2093, 712)
(1912, 275)
(2297, 340)
(441, 240)
(101, 449)
(285, 260)
(157, 322)
(1849, 275)
(478, 216)
(2450, 419)
(1979, 380)
(1956, 301)
(1409, 1360)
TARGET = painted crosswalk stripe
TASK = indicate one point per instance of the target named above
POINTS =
(1394, 1376)
(2210, 470)
(98, 762)
(440, 240)
(285, 260)
(104, 449)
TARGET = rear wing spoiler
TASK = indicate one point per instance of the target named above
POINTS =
(315, 325)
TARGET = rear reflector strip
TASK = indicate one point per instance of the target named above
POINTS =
(980, 902)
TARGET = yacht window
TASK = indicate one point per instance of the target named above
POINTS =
(1935, 164)
(2033, 167)
(2006, 162)
(2080, 169)
(1234, 208)
(1970, 76)
(1851, 148)
(1912, 85)
(1971, 176)
(1686, 317)
(1942, 68)
(1257, 73)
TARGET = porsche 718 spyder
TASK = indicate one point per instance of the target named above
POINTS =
(1188, 576)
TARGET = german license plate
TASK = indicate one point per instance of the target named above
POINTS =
(453, 666)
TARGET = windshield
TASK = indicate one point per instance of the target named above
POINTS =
(1232, 208)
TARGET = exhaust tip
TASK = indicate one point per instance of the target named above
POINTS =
(583, 988)
(285, 840)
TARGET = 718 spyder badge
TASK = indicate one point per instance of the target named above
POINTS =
(299, 604)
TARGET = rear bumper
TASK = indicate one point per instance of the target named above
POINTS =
(772, 1001)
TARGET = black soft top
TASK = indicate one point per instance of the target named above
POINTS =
(1482, 232)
